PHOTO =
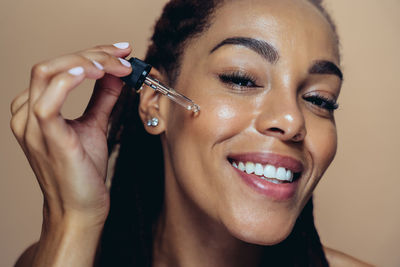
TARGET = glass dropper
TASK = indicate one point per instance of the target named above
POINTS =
(140, 75)
(172, 94)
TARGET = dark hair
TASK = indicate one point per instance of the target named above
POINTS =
(137, 191)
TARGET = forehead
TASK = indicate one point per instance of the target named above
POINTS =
(288, 25)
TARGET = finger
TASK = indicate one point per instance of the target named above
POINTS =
(19, 100)
(50, 102)
(40, 114)
(18, 122)
(104, 97)
(110, 64)
(20, 107)
(33, 133)
(43, 72)
(47, 109)
(122, 49)
(117, 66)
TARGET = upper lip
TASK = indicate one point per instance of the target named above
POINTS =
(277, 160)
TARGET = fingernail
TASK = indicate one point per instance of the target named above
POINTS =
(121, 45)
(97, 65)
(76, 71)
(125, 62)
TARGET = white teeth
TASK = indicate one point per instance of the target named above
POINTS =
(281, 173)
(241, 166)
(289, 175)
(274, 181)
(250, 167)
(259, 170)
(270, 171)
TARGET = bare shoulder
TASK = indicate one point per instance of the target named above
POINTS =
(339, 259)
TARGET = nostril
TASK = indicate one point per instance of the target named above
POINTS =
(298, 137)
(287, 135)
(275, 129)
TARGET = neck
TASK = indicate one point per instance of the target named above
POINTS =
(186, 236)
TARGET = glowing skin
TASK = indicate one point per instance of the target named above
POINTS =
(208, 205)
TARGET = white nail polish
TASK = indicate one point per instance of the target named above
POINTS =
(121, 45)
(124, 62)
(97, 65)
(76, 71)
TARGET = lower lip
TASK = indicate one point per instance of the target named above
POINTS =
(278, 192)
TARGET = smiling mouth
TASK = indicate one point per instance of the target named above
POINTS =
(273, 168)
(268, 172)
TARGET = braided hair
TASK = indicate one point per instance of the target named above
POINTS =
(137, 194)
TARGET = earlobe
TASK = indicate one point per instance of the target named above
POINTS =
(150, 110)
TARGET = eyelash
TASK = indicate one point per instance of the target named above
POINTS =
(322, 102)
(240, 80)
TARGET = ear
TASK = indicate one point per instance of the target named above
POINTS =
(152, 104)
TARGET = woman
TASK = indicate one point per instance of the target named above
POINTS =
(230, 186)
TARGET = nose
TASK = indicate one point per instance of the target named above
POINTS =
(281, 117)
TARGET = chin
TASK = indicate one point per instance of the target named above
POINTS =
(266, 232)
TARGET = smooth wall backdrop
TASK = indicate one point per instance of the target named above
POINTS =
(356, 204)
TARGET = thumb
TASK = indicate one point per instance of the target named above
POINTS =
(105, 94)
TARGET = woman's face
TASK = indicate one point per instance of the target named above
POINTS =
(264, 74)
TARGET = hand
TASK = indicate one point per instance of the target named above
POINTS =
(69, 157)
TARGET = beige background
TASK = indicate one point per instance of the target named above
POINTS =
(357, 203)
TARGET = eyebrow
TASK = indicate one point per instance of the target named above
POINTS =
(270, 53)
(261, 47)
(325, 67)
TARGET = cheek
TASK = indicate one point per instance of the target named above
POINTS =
(219, 120)
(198, 147)
(322, 145)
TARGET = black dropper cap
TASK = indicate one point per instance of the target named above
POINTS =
(140, 70)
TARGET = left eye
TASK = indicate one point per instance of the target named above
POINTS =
(322, 102)
(238, 79)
